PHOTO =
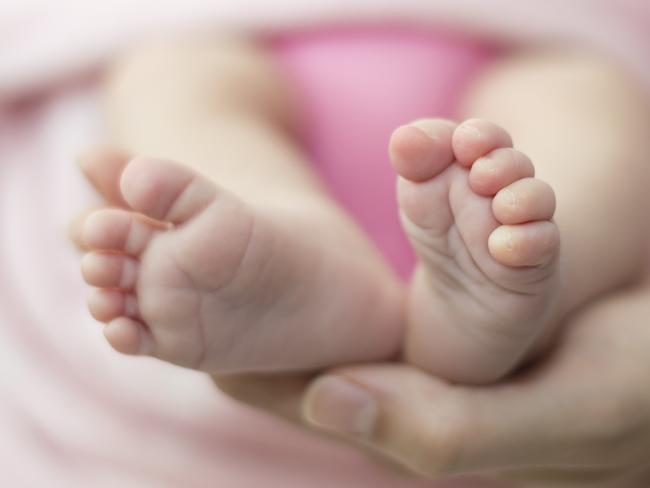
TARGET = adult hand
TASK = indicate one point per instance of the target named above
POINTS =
(580, 417)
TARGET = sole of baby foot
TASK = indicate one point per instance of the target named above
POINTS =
(189, 273)
(487, 282)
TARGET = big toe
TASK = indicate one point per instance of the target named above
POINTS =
(103, 167)
(165, 190)
(475, 138)
(421, 150)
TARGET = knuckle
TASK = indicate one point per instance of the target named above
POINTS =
(438, 449)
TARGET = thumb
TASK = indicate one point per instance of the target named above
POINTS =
(435, 428)
(396, 410)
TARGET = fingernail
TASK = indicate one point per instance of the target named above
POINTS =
(336, 404)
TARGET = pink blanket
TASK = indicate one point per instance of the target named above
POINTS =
(73, 412)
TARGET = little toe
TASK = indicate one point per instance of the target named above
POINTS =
(166, 191)
(118, 230)
(109, 270)
(526, 200)
(526, 245)
(421, 150)
(497, 169)
(102, 167)
(108, 304)
(128, 336)
(477, 137)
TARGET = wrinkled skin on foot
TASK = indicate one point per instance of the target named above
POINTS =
(187, 272)
(487, 281)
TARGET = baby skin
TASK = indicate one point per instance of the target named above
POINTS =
(197, 264)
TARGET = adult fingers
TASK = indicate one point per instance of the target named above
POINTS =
(586, 406)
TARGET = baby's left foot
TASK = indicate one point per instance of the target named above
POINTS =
(486, 287)
(189, 273)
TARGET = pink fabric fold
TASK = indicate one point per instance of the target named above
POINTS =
(46, 42)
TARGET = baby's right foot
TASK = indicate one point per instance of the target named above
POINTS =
(486, 286)
(188, 273)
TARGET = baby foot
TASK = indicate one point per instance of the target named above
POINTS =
(189, 273)
(487, 280)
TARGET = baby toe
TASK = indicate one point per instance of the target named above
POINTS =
(118, 230)
(421, 150)
(103, 166)
(128, 336)
(109, 270)
(477, 137)
(75, 230)
(165, 190)
(526, 200)
(107, 304)
(531, 244)
(497, 169)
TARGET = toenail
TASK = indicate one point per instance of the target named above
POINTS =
(470, 130)
(488, 164)
(509, 241)
(510, 197)
(502, 239)
(420, 131)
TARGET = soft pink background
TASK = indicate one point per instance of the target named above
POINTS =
(73, 412)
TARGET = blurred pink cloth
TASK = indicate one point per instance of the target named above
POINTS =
(46, 42)
(73, 412)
